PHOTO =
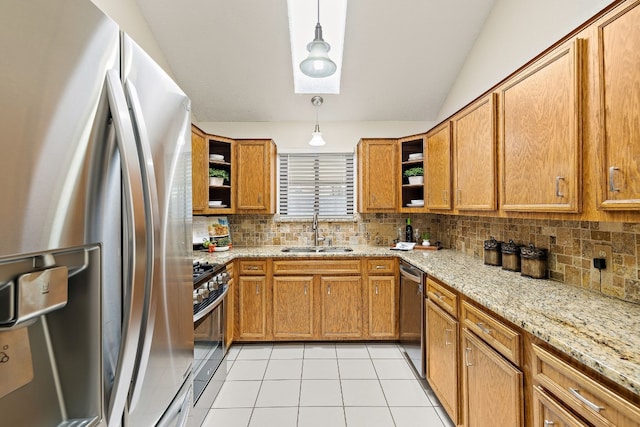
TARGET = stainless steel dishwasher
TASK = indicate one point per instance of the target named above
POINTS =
(412, 337)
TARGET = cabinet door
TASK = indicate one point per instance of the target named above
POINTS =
(377, 173)
(382, 306)
(442, 358)
(547, 412)
(229, 307)
(438, 173)
(541, 138)
(492, 387)
(293, 307)
(252, 315)
(255, 181)
(619, 92)
(341, 302)
(199, 171)
(474, 136)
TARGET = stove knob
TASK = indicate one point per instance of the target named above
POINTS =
(204, 291)
(197, 297)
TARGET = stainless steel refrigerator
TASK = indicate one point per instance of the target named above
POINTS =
(95, 224)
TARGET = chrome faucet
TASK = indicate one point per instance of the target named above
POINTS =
(314, 227)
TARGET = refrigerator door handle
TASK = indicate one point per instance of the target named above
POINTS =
(135, 247)
(152, 222)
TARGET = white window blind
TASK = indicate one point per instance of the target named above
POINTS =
(320, 183)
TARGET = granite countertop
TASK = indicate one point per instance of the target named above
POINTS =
(599, 331)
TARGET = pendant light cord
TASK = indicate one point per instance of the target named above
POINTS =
(318, 11)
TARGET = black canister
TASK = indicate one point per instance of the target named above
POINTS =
(492, 252)
(511, 256)
(534, 262)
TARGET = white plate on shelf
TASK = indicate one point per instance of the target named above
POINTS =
(217, 206)
(415, 156)
(411, 205)
(417, 202)
(216, 157)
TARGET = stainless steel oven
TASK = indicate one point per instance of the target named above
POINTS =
(412, 337)
(209, 321)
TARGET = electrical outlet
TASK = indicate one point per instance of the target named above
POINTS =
(602, 252)
(600, 263)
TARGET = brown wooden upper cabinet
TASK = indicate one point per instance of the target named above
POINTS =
(541, 141)
(412, 156)
(618, 68)
(255, 176)
(211, 152)
(474, 141)
(438, 173)
(377, 175)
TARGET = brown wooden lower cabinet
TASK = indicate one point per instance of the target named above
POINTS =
(492, 388)
(382, 306)
(442, 358)
(293, 307)
(548, 412)
(252, 307)
(341, 307)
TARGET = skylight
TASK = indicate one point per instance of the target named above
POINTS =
(303, 16)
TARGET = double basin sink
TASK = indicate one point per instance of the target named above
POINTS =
(317, 250)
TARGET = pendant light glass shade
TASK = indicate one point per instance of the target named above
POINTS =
(318, 64)
(316, 136)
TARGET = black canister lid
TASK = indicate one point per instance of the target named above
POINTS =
(531, 252)
(492, 244)
(511, 248)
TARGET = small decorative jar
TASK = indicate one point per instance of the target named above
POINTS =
(492, 252)
(511, 256)
(534, 262)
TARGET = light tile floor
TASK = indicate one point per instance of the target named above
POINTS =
(323, 385)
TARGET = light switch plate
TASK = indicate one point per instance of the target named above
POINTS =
(16, 366)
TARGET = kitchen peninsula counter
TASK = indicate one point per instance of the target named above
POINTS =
(601, 332)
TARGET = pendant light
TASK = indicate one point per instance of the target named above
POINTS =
(318, 64)
(316, 136)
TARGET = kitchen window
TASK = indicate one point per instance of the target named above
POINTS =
(319, 183)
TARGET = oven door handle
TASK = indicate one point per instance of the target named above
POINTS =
(208, 309)
(410, 274)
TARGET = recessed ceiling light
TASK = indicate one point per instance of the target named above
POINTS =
(302, 21)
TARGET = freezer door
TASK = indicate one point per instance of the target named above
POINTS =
(160, 112)
(55, 56)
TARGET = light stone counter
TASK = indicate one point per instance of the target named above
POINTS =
(599, 331)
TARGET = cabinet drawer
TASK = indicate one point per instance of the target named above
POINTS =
(497, 334)
(380, 266)
(317, 266)
(444, 298)
(547, 411)
(592, 400)
(257, 266)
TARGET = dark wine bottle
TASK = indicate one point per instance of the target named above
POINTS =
(409, 231)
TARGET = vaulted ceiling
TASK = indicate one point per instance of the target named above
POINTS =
(233, 57)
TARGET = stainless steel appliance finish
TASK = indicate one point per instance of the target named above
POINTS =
(412, 337)
(209, 322)
(97, 151)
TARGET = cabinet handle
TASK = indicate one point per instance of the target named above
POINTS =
(259, 198)
(445, 195)
(373, 198)
(581, 398)
(305, 289)
(459, 195)
(328, 289)
(548, 423)
(558, 179)
(483, 329)
(379, 267)
(467, 351)
(439, 296)
(376, 289)
(257, 289)
(447, 331)
(612, 179)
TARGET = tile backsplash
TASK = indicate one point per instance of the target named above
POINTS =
(572, 245)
